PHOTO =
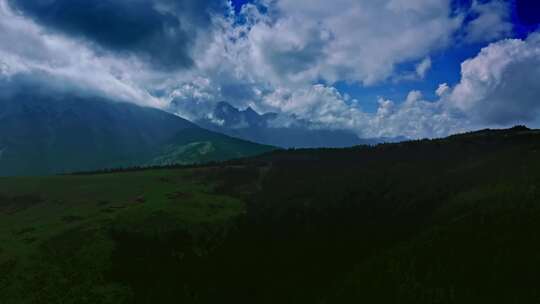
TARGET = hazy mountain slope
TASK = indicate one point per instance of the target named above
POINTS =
(43, 134)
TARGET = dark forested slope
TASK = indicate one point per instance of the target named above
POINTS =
(453, 220)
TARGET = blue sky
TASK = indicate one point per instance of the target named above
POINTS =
(419, 68)
(239, 3)
(445, 69)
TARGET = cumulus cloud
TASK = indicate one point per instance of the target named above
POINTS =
(415, 118)
(501, 84)
(498, 88)
(319, 104)
(491, 22)
(360, 41)
(442, 90)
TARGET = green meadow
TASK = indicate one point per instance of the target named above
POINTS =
(452, 220)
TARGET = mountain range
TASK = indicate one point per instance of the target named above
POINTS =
(46, 131)
(264, 128)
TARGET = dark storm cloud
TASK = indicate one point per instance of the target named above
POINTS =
(161, 32)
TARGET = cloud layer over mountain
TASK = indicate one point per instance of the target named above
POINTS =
(283, 56)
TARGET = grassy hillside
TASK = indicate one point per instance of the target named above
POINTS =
(443, 221)
(62, 237)
(196, 146)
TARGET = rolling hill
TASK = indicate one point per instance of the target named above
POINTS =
(451, 220)
(46, 133)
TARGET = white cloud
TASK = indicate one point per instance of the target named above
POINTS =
(442, 90)
(414, 118)
(360, 41)
(492, 21)
(423, 67)
(498, 88)
(501, 84)
(319, 104)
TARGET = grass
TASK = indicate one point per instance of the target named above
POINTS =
(432, 221)
(74, 220)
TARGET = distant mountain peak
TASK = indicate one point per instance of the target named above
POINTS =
(225, 105)
(224, 108)
(232, 117)
(265, 128)
(251, 113)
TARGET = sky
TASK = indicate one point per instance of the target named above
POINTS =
(414, 68)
